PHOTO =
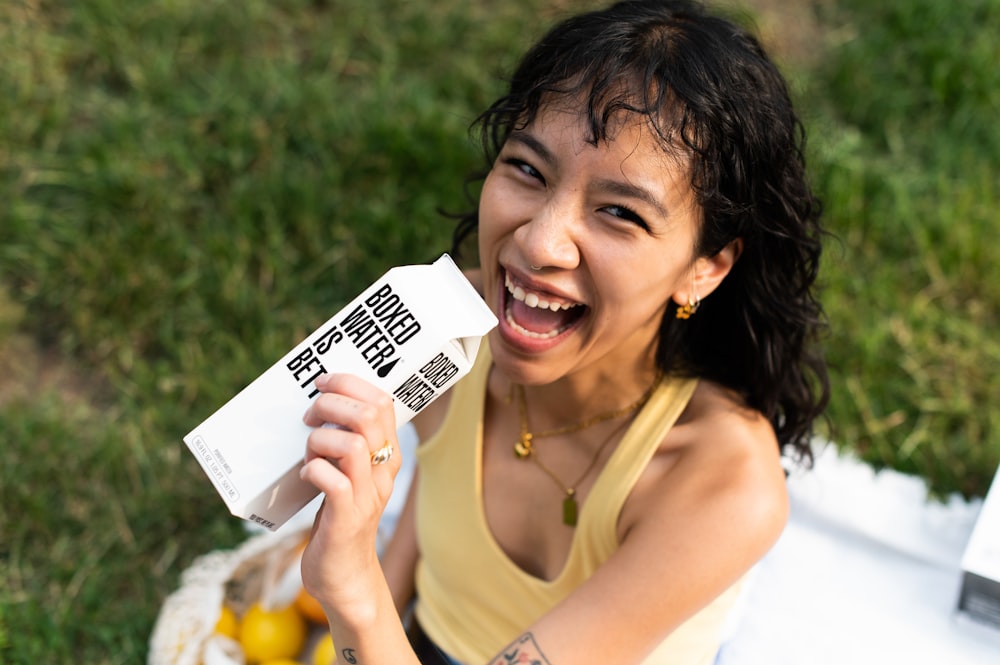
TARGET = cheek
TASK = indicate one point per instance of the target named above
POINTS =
(500, 211)
(488, 209)
(643, 283)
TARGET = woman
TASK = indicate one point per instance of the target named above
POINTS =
(597, 487)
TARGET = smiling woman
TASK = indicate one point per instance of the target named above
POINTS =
(594, 221)
(598, 486)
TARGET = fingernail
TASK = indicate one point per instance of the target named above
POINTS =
(322, 380)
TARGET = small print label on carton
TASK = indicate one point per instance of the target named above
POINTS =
(413, 333)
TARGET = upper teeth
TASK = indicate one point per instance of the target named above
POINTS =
(532, 299)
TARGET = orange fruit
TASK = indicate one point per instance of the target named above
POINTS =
(281, 661)
(324, 653)
(227, 624)
(272, 634)
(310, 607)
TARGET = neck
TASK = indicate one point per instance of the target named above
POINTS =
(584, 394)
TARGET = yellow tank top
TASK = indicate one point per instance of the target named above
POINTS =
(472, 600)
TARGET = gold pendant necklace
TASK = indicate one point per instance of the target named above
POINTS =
(524, 446)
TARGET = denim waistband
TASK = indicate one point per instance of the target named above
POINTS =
(427, 652)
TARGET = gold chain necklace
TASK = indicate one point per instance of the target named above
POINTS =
(524, 449)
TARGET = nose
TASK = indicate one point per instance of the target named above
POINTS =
(550, 238)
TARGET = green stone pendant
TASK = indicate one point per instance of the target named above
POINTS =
(569, 509)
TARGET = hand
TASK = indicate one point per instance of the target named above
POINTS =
(352, 419)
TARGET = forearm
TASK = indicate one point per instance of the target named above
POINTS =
(399, 560)
(340, 565)
(371, 633)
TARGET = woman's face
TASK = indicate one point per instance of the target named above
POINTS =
(582, 246)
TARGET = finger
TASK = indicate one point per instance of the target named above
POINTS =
(335, 444)
(354, 496)
(349, 401)
(350, 453)
(330, 441)
(338, 463)
(385, 464)
(329, 480)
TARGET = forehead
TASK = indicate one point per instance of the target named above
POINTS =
(629, 140)
(616, 127)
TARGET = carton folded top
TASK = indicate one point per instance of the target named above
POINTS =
(467, 327)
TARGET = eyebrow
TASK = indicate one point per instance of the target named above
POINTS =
(615, 187)
(533, 144)
(632, 191)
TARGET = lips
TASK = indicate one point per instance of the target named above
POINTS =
(537, 315)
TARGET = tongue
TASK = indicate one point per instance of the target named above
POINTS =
(540, 320)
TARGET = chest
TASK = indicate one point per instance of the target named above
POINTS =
(530, 502)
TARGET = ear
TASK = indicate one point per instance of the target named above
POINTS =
(708, 272)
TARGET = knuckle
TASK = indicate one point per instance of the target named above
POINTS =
(316, 439)
(369, 412)
(336, 382)
(383, 401)
(358, 444)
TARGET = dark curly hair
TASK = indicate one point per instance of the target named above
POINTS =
(709, 90)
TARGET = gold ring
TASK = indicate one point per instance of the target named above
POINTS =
(382, 455)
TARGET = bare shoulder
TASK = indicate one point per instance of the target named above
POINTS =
(721, 464)
(717, 420)
(707, 507)
(731, 455)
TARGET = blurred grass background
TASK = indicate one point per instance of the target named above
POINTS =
(190, 186)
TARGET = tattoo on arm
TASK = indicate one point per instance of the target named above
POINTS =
(522, 651)
(349, 656)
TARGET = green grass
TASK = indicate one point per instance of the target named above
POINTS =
(92, 545)
(191, 186)
(907, 157)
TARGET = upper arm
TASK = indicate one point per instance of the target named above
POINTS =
(704, 526)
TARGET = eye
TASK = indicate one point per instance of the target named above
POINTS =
(525, 168)
(627, 214)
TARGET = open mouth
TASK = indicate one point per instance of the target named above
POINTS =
(538, 316)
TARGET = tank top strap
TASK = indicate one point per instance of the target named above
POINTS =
(603, 505)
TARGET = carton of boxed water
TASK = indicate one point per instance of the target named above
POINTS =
(980, 594)
(413, 333)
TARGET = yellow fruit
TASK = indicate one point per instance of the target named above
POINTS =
(324, 653)
(310, 607)
(281, 661)
(227, 624)
(272, 634)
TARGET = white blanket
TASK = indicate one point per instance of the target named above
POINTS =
(867, 571)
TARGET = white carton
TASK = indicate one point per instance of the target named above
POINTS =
(980, 595)
(413, 333)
